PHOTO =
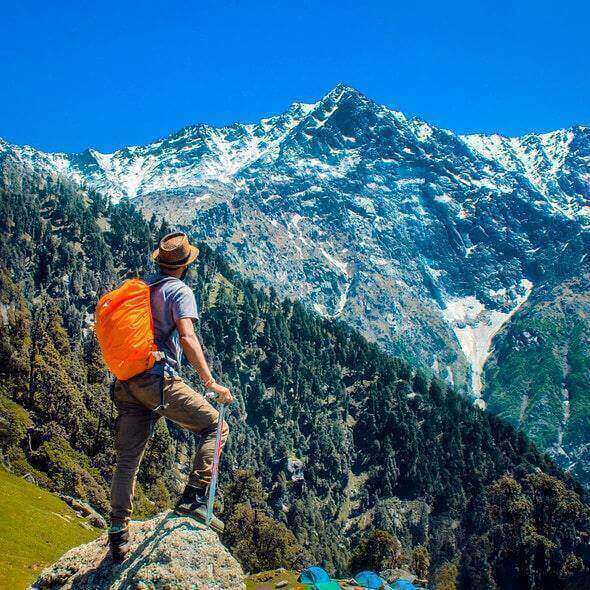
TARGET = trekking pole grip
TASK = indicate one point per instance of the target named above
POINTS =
(210, 395)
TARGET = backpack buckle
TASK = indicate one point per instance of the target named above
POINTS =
(158, 355)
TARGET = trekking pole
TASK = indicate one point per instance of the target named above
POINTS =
(215, 470)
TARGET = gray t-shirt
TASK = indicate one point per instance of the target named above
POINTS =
(171, 300)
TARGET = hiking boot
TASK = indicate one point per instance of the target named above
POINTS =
(119, 543)
(193, 502)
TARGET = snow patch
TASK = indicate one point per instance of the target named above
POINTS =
(422, 130)
(342, 301)
(475, 326)
(202, 198)
(366, 203)
(450, 377)
(435, 365)
(566, 416)
(341, 266)
(444, 198)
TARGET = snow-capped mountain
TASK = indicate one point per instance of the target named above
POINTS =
(429, 242)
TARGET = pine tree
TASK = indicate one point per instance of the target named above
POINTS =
(446, 577)
(420, 562)
(377, 551)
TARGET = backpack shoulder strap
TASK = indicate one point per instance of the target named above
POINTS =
(167, 336)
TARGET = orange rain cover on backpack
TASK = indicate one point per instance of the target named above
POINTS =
(125, 329)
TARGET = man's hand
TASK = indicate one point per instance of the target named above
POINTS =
(224, 395)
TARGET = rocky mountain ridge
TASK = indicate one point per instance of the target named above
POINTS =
(429, 242)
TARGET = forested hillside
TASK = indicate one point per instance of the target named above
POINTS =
(554, 326)
(382, 448)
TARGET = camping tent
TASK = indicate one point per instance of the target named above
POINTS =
(317, 578)
(314, 575)
(368, 579)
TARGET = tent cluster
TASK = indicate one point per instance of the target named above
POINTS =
(316, 578)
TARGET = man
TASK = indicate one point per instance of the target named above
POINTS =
(160, 391)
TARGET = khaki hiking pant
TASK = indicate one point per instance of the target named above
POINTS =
(135, 399)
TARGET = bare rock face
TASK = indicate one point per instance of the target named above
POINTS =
(167, 552)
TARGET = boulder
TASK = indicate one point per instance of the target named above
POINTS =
(167, 552)
(85, 510)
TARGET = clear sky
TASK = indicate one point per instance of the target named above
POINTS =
(108, 74)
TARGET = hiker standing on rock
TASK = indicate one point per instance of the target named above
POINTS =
(159, 391)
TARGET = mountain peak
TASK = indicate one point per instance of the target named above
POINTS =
(342, 90)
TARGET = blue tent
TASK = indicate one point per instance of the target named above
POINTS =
(314, 575)
(371, 580)
(403, 585)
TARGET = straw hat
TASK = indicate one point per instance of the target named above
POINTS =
(175, 251)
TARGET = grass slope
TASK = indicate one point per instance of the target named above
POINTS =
(269, 580)
(36, 528)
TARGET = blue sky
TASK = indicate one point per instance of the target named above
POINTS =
(109, 74)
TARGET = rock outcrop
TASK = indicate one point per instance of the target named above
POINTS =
(84, 510)
(167, 551)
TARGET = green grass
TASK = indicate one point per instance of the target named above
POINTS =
(36, 528)
(268, 580)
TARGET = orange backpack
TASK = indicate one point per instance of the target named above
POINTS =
(125, 329)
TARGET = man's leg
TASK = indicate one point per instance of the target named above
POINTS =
(134, 425)
(190, 410)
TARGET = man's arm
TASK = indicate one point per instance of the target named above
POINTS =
(194, 353)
